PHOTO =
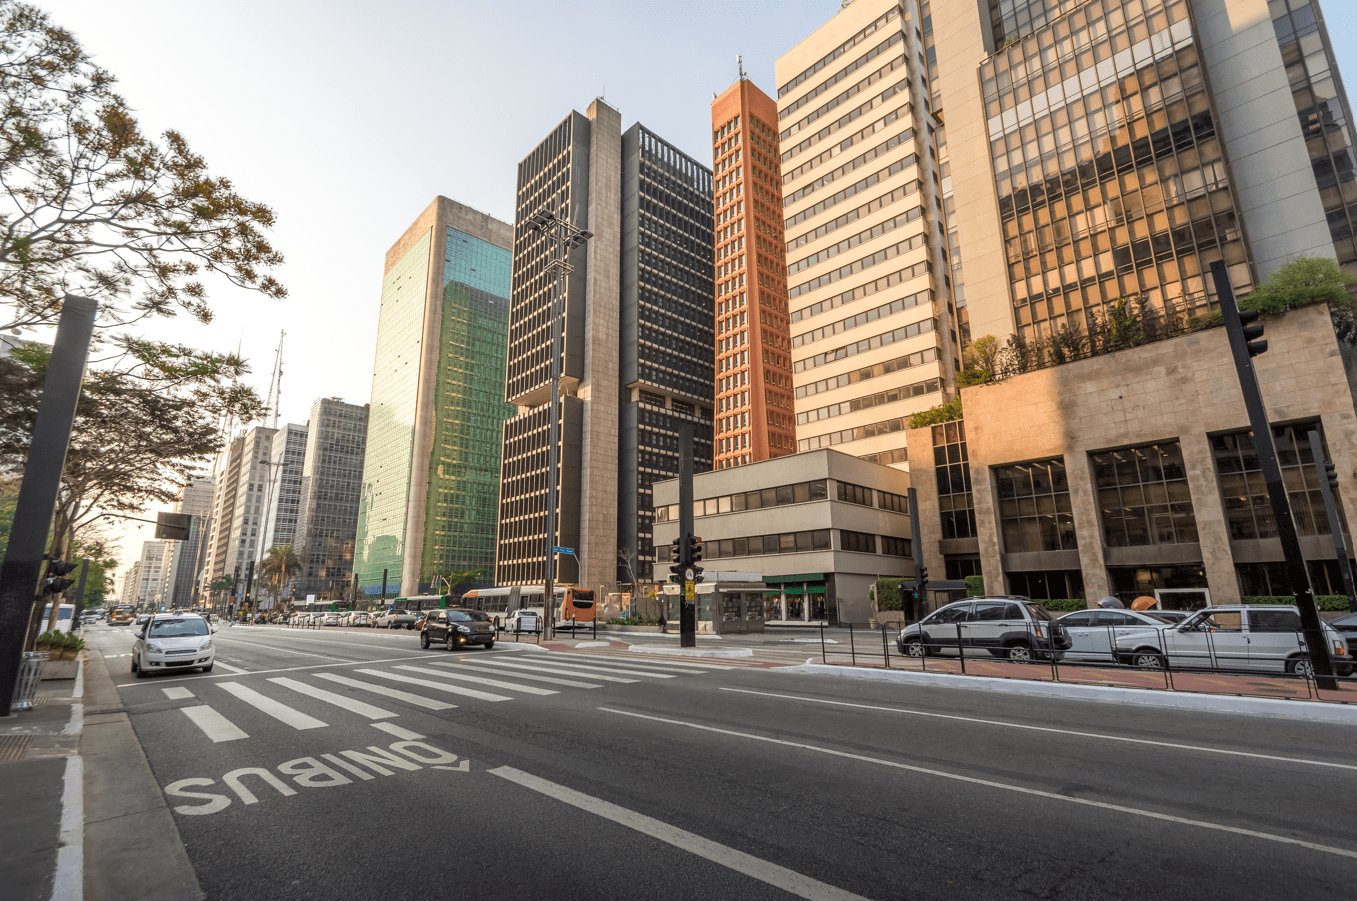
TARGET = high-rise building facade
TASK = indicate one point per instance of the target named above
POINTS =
(184, 558)
(331, 488)
(755, 415)
(639, 294)
(240, 502)
(287, 455)
(151, 572)
(432, 458)
(873, 324)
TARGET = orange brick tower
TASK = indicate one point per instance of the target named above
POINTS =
(754, 416)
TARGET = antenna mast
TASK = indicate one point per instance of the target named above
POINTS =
(276, 383)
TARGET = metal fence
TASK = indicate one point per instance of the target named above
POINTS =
(1220, 669)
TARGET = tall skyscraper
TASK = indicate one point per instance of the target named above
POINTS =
(283, 495)
(432, 458)
(873, 328)
(640, 292)
(239, 500)
(331, 489)
(151, 572)
(183, 559)
(755, 417)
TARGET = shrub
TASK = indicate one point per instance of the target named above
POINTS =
(935, 415)
(1330, 603)
(888, 595)
(1062, 605)
(975, 586)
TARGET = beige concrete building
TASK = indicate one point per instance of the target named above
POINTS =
(1134, 471)
(873, 329)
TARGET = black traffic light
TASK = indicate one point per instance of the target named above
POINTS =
(695, 556)
(923, 578)
(1331, 473)
(1253, 334)
(676, 558)
(55, 583)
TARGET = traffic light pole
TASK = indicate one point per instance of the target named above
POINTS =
(1244, 346)
(37, 498)
(916, 551)
(1327, 483)
(688, 596)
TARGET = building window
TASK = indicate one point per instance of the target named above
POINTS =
(855, 494)
(862, 542)
(1247, 507)
(895, 547)
(956, 506)
(1034, 507)
(1047, 584)
(896, 503)
(1144, 496)
(756, 545)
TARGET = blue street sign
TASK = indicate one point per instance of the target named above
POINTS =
(564, 550)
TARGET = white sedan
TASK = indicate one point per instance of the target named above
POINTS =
(171, 641)
(1094, 631)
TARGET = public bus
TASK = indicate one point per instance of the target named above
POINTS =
(122, 615)
(579, 606)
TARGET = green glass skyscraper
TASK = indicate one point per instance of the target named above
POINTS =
(431, 474)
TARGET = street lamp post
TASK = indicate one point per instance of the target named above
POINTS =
(564, 237)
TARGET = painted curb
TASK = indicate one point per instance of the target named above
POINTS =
(692, 652)
(1271, 707)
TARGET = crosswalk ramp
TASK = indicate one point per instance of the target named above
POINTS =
(312, 700)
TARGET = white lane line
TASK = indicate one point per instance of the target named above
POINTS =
(398, 731)
(214, 725)
(176, 694)
(281, 712)
(329, 697)
(393, 693)
(989, 783)
(545, 679)
(788, 880)
(547, 668)
(228, 667)
(441, 686)
(644, 666)
(1097, 735)
(68, 882)
(493, 683)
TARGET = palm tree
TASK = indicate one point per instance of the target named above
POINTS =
(280, 566)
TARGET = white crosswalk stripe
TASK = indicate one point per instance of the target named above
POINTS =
(228, 667)
(441, 686)
(647, 666)
(281, 712)
(329, 697)
(548, 680)
(544, 668)
(493, 683)
(585, 669)
(214, 725)
(177, 694)
(652, 660)
(393, 693)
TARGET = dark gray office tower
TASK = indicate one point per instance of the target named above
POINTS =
(332, 485)
(636, 353)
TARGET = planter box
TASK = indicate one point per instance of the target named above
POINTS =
(893, 617)
(56, 670)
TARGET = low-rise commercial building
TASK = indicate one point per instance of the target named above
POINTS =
(819, 527)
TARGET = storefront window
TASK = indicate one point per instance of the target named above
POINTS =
(1144, 497)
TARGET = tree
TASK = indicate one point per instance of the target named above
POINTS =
(279, 566)
(1300, 283)
(9, 496)
(96, 207)
(628, 558)
(455, 578)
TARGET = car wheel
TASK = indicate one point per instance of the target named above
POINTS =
(915, 648)
(451, 642)
(134, 663)
(1019, 653)
(141, 671)
(489, 644)
(1300, 666)
(208, 668)
(1148, 660)
(424, 640)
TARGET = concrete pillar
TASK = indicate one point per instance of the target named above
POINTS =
(1087, 524)
(1213, 532)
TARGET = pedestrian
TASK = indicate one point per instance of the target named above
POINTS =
(664, 627)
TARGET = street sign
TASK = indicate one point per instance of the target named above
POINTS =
(688, 591)
(564, 550)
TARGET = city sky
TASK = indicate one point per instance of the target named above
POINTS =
(349, 118)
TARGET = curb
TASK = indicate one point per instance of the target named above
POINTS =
(1143, 697)
(692, 652)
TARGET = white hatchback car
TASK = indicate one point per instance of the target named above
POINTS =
(170, 641)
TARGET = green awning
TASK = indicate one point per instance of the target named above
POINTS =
(815, 589)
(792, 589)
(799, 577)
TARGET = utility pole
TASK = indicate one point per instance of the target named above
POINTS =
(1245, 345)
(37, 500)
(916, 551)
(564, 237)
(688, 596)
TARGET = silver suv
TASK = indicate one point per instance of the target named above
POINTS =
(1014, 627)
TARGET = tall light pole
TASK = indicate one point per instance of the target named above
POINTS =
(564, 238)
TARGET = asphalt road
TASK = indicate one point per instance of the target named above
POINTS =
(315, 768)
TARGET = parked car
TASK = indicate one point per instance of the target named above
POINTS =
(1008, 626)
(1347, 624)
(1093, 631)
(173, 641)
(395, 618)
(142, 619)
(1239, 637)
(528, 619)
(360, 618)
(455, 628)
(330, 619)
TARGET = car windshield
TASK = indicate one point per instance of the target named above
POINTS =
(176, 628)
(1039, 612)
(468, 616)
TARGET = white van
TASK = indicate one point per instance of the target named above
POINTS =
(65, 613)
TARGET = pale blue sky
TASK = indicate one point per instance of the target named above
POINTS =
(348, 118)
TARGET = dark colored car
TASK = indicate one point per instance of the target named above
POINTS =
(456, 628)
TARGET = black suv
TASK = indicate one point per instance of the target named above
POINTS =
(457, 628)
